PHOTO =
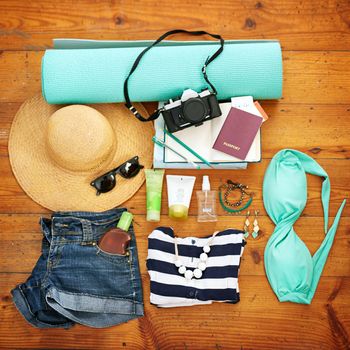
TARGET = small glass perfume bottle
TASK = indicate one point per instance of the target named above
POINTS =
(206, 202)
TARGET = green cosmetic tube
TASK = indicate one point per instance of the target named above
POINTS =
(154, 185)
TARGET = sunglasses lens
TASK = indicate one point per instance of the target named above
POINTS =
(107, 182)
(131, 168)
(104, 183)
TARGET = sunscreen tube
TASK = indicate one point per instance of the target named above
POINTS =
(154, 184)
(179, 195)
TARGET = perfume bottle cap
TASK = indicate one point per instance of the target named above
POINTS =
(125, 221)
(205, 183)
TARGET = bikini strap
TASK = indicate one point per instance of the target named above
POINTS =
(310, 166)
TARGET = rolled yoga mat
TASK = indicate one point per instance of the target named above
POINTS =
(96, 75)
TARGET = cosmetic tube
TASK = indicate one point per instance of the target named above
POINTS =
(154, 184)
(179, 195)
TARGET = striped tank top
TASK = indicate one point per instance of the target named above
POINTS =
(219, 281)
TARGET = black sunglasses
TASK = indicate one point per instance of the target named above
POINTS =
(107, 181)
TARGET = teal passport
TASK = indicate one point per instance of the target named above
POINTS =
(88, 71)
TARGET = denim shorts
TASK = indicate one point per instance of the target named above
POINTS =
(76, 282)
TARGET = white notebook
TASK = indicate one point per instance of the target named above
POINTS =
(202, 138)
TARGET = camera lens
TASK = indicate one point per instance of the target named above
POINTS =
(194, 110)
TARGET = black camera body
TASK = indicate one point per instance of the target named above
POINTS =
(192, 109)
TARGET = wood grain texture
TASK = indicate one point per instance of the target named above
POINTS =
(309, 77)
(21, 239)
(300, 25)
(317, 121)
(16, 201)
(313, 116)
(257, 321)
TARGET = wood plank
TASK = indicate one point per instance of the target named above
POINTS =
(317, 121)
(7, 113)
(302, 25)
(313, 116)
(21, 241)
(319, 130)
(309, 77)
(258, 321)
(14, 200)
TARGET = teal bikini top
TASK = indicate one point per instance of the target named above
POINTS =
(291, 270)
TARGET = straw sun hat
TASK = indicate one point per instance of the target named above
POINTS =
(56, 151)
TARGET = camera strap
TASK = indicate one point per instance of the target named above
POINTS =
(210, 59)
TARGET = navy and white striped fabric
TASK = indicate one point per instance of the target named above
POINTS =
(219, 281)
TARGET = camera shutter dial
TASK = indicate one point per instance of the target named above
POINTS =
(194, 110)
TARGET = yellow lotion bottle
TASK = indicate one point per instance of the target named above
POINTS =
(179, 195)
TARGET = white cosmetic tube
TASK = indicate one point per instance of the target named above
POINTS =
(179, 195)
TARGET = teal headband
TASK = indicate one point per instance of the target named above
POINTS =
(291, 270)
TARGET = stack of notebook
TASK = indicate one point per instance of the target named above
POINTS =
(230, 141)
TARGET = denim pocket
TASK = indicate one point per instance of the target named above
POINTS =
(113, 258)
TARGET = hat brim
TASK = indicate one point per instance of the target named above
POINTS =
(60, 190)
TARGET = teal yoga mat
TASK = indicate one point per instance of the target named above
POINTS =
(94, 72)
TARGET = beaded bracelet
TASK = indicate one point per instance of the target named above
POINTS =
(229, 187)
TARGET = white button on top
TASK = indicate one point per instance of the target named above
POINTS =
(202, 266)
(197, 273)
(188, 274)
(182, 269)
(203, 257)
(206, 249)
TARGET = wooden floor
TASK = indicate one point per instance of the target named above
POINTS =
(313, 116)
